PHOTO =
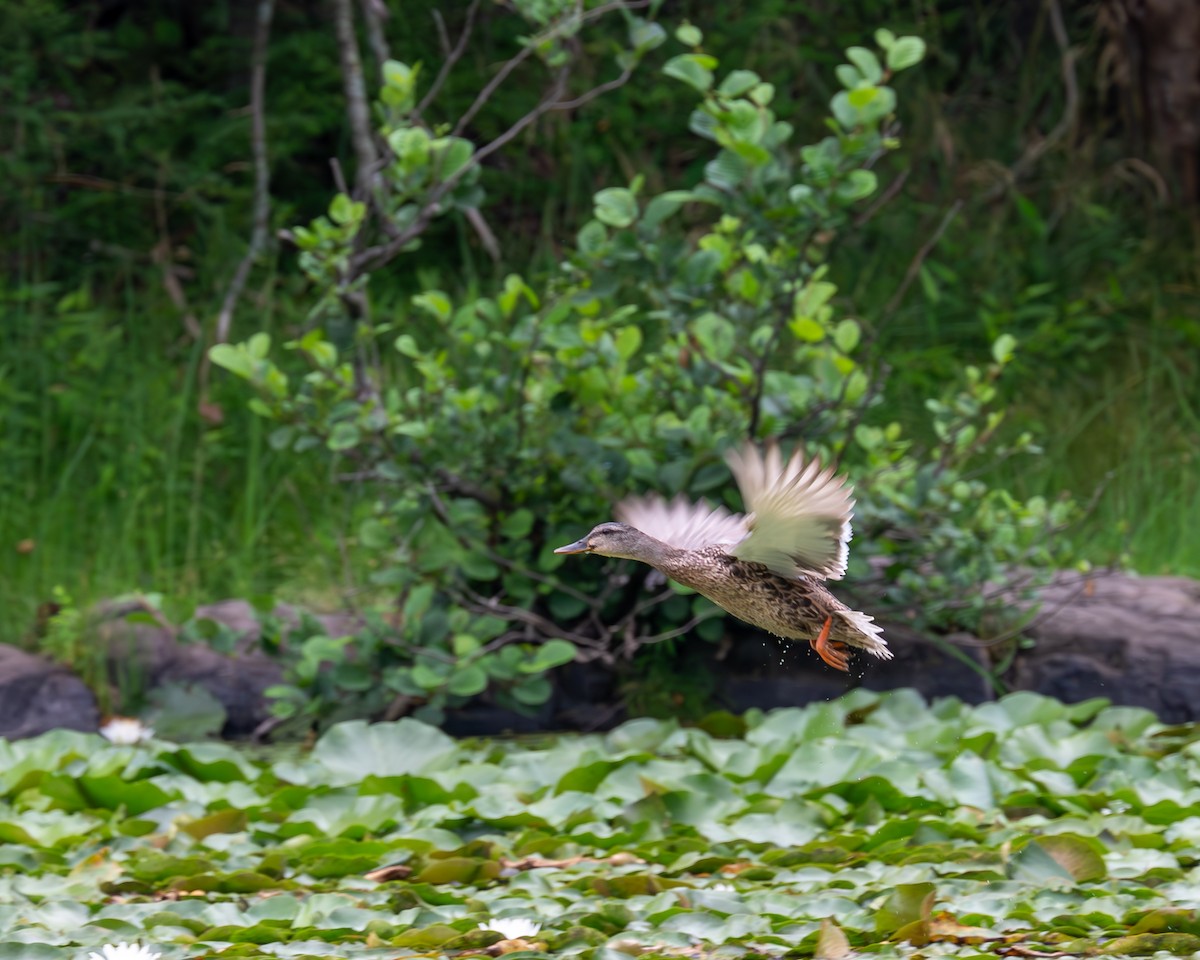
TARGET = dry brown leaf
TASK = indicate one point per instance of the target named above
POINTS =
(832, 943)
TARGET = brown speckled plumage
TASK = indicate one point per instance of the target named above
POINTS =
(767, 568)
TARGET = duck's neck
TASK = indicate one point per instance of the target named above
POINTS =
(667, 559)
(647, 549)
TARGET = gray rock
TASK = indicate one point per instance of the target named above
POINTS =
(1134, 640)
(37, 695)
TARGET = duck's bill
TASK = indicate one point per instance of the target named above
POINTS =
(579, 546)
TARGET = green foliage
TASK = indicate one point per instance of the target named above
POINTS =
(1024, 825)
(680, 322)
(973, 536)
(428, 663)
(70, 640)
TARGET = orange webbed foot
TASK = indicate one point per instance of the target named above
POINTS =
(833, 652)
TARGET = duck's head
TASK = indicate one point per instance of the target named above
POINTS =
(612, 539)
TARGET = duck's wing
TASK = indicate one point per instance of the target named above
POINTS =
(799, 514)
(681, 523)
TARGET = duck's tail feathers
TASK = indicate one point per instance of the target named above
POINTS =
(869, 634)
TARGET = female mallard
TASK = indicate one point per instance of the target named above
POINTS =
(766, 568)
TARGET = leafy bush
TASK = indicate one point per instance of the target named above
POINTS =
(495, 426)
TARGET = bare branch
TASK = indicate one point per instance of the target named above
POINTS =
(452, 57)
(914, 266)
(680, 631)
(259, 233)
(545, 626)
(490, 88)
(1066, 123)
(339, 177)
(375, 14)
(484, 232)
(883, 199)
(606, 87)
(357, 109)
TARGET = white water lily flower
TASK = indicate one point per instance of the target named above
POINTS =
(513, 928)
(124, 951)
(125, 731)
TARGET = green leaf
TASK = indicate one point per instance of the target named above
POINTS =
(374, 534)
(354, 750)
(843, 111)
(688, 35)
(1003, 348)
(905, 52)
(406, 345)
(616, 206)
(400, 82)
(866, 62)
(427, 678)
(451, 154)
(857, 185)
(646, 35)
(344, 436)
(693, 69)
(807, 329)
(468, 681)
(342, 210)
(533, 692)
(627, 341)
(738, 83)
(908, 903)
(846, 335)
(517, 524)
(665, 205)
(232, 358)
(433, 302)
(848, 76)
(465, 644)
(592, 238)
(553, 653)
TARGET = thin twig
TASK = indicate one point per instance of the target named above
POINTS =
(490, 87)
(679, 631)
(547, 627)
(883, 199)
(1066, 123)
(375, 14)
(606, 87)
(259, 233)
(452, 56)
(443, 37)
(479, 224)
(339, 176)
(914, 266)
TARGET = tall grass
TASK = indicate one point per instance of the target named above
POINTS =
(1129, 441)
(113, 483)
